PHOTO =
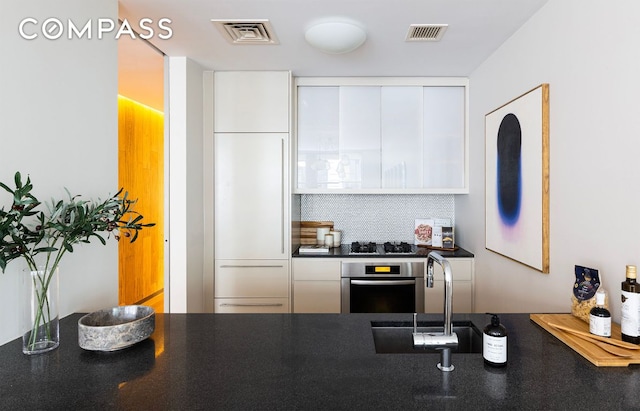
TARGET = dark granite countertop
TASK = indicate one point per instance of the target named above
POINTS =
(422, 252)
(304, 361)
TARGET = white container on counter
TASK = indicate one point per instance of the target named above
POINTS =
(328, 240)
(320, 233)
(337, 238)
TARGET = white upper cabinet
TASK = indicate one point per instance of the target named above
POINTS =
(251, 101)
(444, 137)
(402, 137)
(381, 135)
(358, 163)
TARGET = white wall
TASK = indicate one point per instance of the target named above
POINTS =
(186, 172)
(58, 123)
(587, 50)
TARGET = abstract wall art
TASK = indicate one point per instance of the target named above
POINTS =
(517, 179)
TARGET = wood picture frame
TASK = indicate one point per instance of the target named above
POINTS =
(517, 179)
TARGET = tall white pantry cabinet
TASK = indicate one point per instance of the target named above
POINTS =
(251, 193)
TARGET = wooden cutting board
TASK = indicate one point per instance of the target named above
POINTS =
(588, 350)
(308, 230)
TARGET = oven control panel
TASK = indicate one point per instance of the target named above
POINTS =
(363, 269)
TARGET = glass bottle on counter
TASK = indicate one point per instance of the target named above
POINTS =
(494, 343)
(600, 317)
(630, 319)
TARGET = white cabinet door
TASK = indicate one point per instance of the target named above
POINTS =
(316, 297)
(358, 164)
(316, 285)
(444, 137)
(401, 154)
(251, 101)
(250, 187)
(318, 132)
(463, 297)
(339, 137)
(463, 279)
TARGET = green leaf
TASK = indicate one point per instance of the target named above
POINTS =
(6, 188)
(18, 180)
(25, 231)
(45, 249)
(102, 240)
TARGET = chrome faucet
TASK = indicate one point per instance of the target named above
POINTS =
(448, 287)
(448, 338)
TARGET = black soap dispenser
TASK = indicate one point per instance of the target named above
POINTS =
(494, 343)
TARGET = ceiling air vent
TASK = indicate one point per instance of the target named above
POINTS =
(426, 32)
(246, 31)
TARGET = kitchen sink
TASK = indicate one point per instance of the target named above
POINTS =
(396, 337)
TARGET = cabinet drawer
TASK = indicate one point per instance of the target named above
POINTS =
(461, 270)
(316, 297)
(251, 279)
(309, 269)
(251, 305)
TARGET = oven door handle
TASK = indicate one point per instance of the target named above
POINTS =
(383, 282)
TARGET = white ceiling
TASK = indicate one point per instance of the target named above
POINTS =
(476, 29)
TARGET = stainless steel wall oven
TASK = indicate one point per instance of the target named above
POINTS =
(382, 287)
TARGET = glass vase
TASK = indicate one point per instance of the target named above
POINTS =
(41, 312)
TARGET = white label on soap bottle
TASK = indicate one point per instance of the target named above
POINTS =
(630, 321)
(494, 349)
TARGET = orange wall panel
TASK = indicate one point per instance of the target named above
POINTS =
(141, 173)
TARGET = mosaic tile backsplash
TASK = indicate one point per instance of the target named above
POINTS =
(379, 218)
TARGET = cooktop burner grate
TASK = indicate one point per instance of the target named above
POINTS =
(398, 248)
(389, 247)
(358, 247)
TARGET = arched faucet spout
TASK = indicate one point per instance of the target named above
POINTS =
(448, 286)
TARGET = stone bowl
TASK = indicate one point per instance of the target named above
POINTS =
(116, 328)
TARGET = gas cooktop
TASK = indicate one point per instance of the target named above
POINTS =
(389, 247)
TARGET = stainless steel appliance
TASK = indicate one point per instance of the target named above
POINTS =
(363, 248)
(383, 286)
(371, 248)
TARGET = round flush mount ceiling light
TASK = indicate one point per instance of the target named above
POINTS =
(336, 37)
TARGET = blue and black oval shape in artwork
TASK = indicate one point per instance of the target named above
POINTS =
(509, 165)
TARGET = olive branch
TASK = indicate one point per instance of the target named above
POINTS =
(26, 232)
